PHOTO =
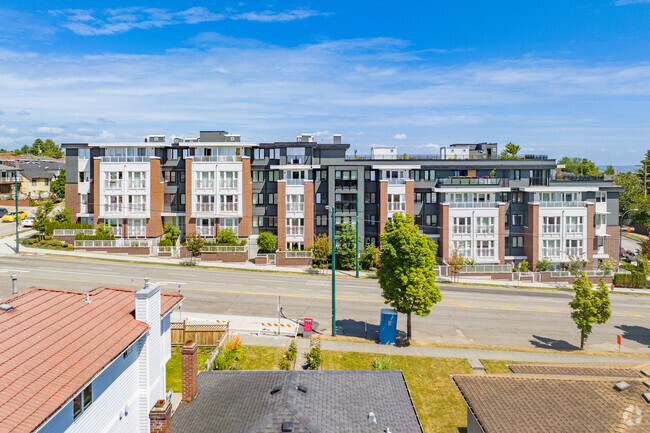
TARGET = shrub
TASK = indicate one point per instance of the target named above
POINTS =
(315, 356)
(284, 364)
(233, 351)
(384, 363)
(267, 243)
(292, 351)
(369, 258)
(52, 225)
(164, 242)
(636, 280)
(171, 234)
(30, 241)
(544, 265)
(523, 266)
(227, 237)
(627, 266)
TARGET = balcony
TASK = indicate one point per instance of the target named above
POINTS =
(551, 229)
(473, 204)
(398, 181)
(296, 207)
(488, 230)
(228, 184)
(125, 158)
(205, 231)
(295, 181)
(137, 184)
(574, 228)
(136, 207)
(112, 184)
(113, 208)
(137, 232)
(462, 180)
(295, 230)
(574, 251)
(397, 207)
(345, 183)
(551, 252)
(217, 158)
(204, 184)
(462, 230)
(562, 204)
(228, 207)
(204, 207)
(484, 252)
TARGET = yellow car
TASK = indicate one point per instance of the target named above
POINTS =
(11, 216)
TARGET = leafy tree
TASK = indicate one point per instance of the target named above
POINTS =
(576, 265)
(632, 197)
(194, 244)
(42, 217)
(171, 233)
(267, 243)
(227, 237)
(406, 269)
(40, 148)
(579, 166)
(510, 151)
(322, 250)
(346, 250)
(589, 306)
(645, 247)
(104, 231)
(58, 186)
(63, 216)
(523, 266)
(544, 265)
(609, 170)
(606, 265)
(369, 257)
(456, 261)
(642, 264)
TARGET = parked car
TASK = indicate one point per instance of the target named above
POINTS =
(3, 211)
(29, 222)
(11, 216)
(630, 256)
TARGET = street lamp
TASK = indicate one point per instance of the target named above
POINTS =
(331, 209)
(620, 234)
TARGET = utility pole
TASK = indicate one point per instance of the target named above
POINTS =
(333, 272)
(17, 218)
(357, 235)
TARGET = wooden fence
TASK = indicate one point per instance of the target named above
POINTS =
(207, 335)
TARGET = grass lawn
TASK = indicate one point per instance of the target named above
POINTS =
(261, 358)
(437, 400)
(174, 380)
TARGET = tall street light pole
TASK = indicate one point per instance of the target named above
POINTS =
(333, 222)
(357, 235)
(16, 197)
(620, 234)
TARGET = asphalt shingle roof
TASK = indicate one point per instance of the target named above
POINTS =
(335, 401)
(41, 169)
(52, 344)
(615, 369)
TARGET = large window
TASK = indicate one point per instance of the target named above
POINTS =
(463, 248)
(205, 227)
(295, 155)
(205, 179)
(229, 223)
(396, 202)
(484, 224)
(229, 203)
(551, 225)
(137, 228)
(345, 179)
(295, 203)
(346, 202)
(484, 248)
(295, 226)
(574, 247)
(137, 203)
(113, 203)
(574, 224)
(462, 225)
(229, 179)
(205, 203)
(258, 176)
(551, 248)
(113, 180)
(82, 401)
(137, 179)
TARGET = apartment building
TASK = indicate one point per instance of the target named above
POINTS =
(490, 210)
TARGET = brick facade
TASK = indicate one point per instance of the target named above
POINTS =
(612, 243)
(157, 200)
(282, 215)
(160, 417)
(443, 223)
(132, 251)
(246, 222)
(410, 197)
(189, 370)
(591, 244)
(309, 214)
(502, 233)
(383, 205)
(282, 260)
(73, 199)
(190, 223)
(531, 235)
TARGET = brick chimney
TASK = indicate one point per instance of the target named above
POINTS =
(190, 370)
(160, 417)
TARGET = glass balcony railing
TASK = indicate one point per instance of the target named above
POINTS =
(551, 252)
(137, 184)
(484, 252)
(573, 228)
(397, 207)
(295, 181)
(205, 207)
(136, 207)
(562, 203)
(462, 230)
(125, 158)
(205, 231)
(485, 229)
(295, 230)
(112, 184)
(204, 184)
(551, 228)
(113, 208)
(217, 158)
(228, 184)
(473, 204)
(295, 207)
(228, 207)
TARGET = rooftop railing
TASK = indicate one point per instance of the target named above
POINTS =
(107, 158)
(461, 180)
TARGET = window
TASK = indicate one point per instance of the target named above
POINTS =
(258, 198)
(396, 202)
(274, 175)
(462, 225)
(228, 203)
(418, 197)
(428, 174)
(370, 198)
(137, 179)
(84, 153)
(137, 228)
(205, 179)
(170, 177)
(182, 198)
(321, 175)
(517, 241)
(346, 202)
(485, 225)
(169, 199)
(321, 220)
(230, 224)
(370, 241)
(258, 176)
(574, 224)
(574, 247)
(258, 221)
(205, 203)
(431, 220)
(181, 176)
(172, 153)
(430, 197)
(601, 196)
(415, 174)
(514, 174)
(551, 224)
(273, 198)
(274, 153)
(321, 197)
(258, 153)
(517, 220)
(295, 202)
(229, 179)
(83, 401)
(273, 221)
(517, 197)
(83, 177)
(372, 220)
(370, 175)
(296, 155)
(127, 352)
(345, 179)
(295, 226)
(113, 180)
(418, 220)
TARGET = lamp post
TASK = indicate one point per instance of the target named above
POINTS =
(357, 236)
(333, 222)
(16, 197)
(620, 234)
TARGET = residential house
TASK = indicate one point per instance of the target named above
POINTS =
(83, 361)
(559, 398)
(38, 174)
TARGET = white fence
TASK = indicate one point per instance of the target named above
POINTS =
(595, 273)
(72, 232)
(299, 255)
(485, 269)
(224, 249)
(117, 243)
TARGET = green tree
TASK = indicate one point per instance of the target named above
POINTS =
(544, 265)
(40, 148)
(645, 247)
(610, 170)
(632, 197)
(42, 216)
(642, 264)
(456, 261)
(63, 216)
(346, 250)
(369, 257)
(406, 269)
(523, 266)
(267, 243)
(227, 237)
(58, 186)
(579, 166)
(510, 151)
(589, 306)
(171, 233)
(322, 250)
(104, 231)
(576, 265)
(194, 244)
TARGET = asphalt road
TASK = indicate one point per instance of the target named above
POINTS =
(467, 315)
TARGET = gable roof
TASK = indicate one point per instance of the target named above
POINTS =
(53, 343)
(527, 403)
(41, 169)
(615, 369)
(335, 401)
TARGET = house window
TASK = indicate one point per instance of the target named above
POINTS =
(370, 175)
(258, 153)
(517, 197)
(229, 179)
(321, 197)
(418, 220)
(274, 175)
(83, 400)
(601, 196)
(428, 174)
(321, 175)
(258, 198)
(517, 220)
(430, 197)
(230, 224)
(205, 179)
(274, 153)
(273, 198)
(431, 220)
(418, 197)
(370, 197)
(321, 220)
(183, 198)
(372, 220)
(415, 174)
(172, 153)
(517, 241)
(84, 153)
(273, 221)
(137, 179)
(258, 176)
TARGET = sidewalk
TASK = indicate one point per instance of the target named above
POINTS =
(442, 352)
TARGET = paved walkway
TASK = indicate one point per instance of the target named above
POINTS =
(441, 352)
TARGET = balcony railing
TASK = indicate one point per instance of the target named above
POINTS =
(113, 208)
(485, 252)
(345, 184)
(485, 229)
(205, 207)
(126, 158)
(295, 230)
(574, 251)
(473, 204)
(397, 207)
(72, 232)
(109, 184)
(295, 181)
(562, 203)
(551, 252)
(228, 207)
(205, 231)
(462, 229)
(137, 232)
(204, 184)
(298, 255)
(228, 184)
(295, 207)
(398, 181)
(300, 160)
(487, 269)
(574, 228)
(137, 184)
(217, 158)
(136, 207)
(472, 181)
(551, 228)
(224, 249)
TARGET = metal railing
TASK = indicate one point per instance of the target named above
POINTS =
(472, 181)
(574, 251)
(563, 203)
(126, 158)
(295, 231)
(485, 269)
(224, 249)
(72, 232)
(136, 207)
(551, 228)
(228, 207)
(295, 181)
(473, 204)
(299, 255)
(393, 181)
(204, 207)
(295, 207)
(117, 243)
(551, 252)
(113, 208)
(217, 158)
(205, 231)
(593, 273)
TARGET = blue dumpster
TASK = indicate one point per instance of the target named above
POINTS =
(388, 326)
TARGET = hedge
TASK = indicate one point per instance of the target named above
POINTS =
(636, 280)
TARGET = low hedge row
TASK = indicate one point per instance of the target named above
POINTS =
(635, 280)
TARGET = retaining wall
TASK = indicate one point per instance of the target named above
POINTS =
(282, 260)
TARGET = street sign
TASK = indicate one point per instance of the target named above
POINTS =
(618, 339)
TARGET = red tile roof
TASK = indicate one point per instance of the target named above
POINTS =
(52, 344)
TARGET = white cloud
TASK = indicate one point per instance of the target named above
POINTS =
(49, 130)
(400, 137)
(8, 130)
(630, 2)
(270, 16)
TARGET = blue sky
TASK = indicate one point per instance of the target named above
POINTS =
(564, 78)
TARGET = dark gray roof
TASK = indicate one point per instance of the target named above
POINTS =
(335, 401)
(41, 169)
